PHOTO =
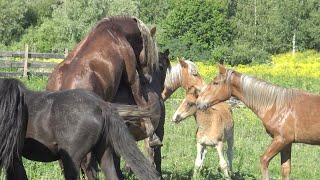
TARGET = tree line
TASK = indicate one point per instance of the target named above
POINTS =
(225, 31)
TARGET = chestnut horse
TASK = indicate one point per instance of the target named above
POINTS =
(116, 49)
(184, 74)
(66, 125)
(215, 124)
(289, 115)
(214, 127)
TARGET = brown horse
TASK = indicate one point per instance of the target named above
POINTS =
(137, 128)
(117, 49)
(289, 115)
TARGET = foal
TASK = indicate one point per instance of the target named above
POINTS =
(289, 116)
(215, 125)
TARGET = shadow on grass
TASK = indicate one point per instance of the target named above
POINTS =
(206, 173)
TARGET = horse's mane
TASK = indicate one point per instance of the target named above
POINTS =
(174, 74)
(263, 95)
(149, 43)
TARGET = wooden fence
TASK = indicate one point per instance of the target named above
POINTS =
(26, 65)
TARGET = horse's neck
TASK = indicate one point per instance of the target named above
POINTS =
(172, 82)
(237, 91)
(260, 96)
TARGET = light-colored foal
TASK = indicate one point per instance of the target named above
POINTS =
(215, 126)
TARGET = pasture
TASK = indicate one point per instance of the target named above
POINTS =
(300, 71)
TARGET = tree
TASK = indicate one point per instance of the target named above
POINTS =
(194, 28)
(12, 24)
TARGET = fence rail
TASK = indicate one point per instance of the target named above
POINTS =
(37, 68)
(31, 55)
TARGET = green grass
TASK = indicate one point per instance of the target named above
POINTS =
(179, 148)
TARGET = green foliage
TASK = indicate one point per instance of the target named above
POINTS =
(193, 28)
(11, 20)
(153, 11)
(123, 7)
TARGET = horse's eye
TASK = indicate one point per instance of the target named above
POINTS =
(215, 83)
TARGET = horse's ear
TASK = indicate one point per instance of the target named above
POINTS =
(222, 69)
(167, 52)
(183, 63)
(153, 31)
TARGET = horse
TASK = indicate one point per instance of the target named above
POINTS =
(184, 74)
(214, 127)
(288, 115)
(117, 49)
(66, 125)
(136, 128)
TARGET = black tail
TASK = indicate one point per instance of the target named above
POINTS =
(129, 112)
(125, 145)
(13, 119)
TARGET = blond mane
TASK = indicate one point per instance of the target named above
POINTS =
(262, 95)
(174, 74)
(149, 44)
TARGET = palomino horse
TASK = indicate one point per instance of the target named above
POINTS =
(184, 74)
(66, 125)
(116, 49)
(214, 127)
(215, 124)
(289, 115)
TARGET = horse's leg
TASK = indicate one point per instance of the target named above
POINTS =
(107, 164)
(116, 162)
(230, 150)
(201, 153)
(273, 149)
(160, 133)
(286, 162)
(89, 167)
(71, 165)
(16, 170)
(222, 162)
(137, 93)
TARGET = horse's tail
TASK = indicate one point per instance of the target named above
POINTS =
(13, 120)
(129, 112)
(125, 145)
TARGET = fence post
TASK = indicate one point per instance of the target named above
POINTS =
(66, 52)
(25, 64)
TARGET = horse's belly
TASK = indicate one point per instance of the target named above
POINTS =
(36, 151)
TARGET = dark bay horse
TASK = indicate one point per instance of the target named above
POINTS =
(66, 125)
(153, 93)
(289, 115)
(117, 49)
(136, 128)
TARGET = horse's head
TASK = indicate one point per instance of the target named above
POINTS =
(187, 107)
(164, 64)
(148, 58)
(217, 91)
(190, 75)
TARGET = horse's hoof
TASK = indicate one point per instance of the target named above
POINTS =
(154, 143)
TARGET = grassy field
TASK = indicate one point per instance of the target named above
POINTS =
(300, 71)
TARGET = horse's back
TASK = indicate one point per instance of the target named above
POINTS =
(215, 123)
